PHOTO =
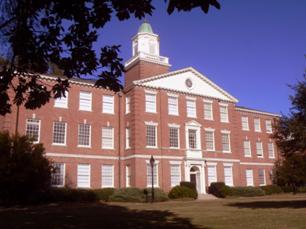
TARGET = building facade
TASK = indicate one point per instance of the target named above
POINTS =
(193, 128)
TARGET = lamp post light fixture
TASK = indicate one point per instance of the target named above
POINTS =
(152, 162)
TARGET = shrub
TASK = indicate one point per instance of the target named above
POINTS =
(128, 195)
(104, 193)
(302, 189)
(70, 195)
(178, 192)
(24, 171)
(245, 191)
(159, 195)
(271, 189)
(188, 184)
(219, 189)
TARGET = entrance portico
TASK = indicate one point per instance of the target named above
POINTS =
(195, 173)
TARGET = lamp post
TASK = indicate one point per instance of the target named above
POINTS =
(152, 174)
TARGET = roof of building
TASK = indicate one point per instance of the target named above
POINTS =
(247, 109)
(145, 27)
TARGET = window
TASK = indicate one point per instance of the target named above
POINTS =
(223, 113)
(85, 101)
(108, 104)
(127, 176)
(259, 150)
(245, 123)
(228, 175)
(149, 175)
(175, 173)
(84, 135)
(58, 175)
(107, 176)
(172, 105)
(212, 174)
(127, 138)
(261, 177)
(62, 102)
(271, 150)
(127, 105)
(192, 138)
(151, 136)
(257, 127)
(83, 176)
(226, 147)
(33, 129)
(107, 137)
(174, 137)
(247, 148)
(268, 126)
(249, 177)
(150, 103)
(208, 111)
(191, 109)
(210, 140)
(59, 133)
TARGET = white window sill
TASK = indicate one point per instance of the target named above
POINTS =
(174, 148)
(152, 112)
(108, 148)
(191, 116)
(108, 113)
(58, 144)
(151, 147)
(249, 156)
(269, 132)
(260, 156)
(61, 107)
(211, 150)
(108, 186)
(58, 186)
(155, 186)
(257, 131)
(208, 119)
(271, 157)
(85, 110)
(226, 151)
(173, 114)
(246, 129)
(224, 121)
(83, 146)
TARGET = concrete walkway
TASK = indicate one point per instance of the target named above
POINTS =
(207, 197)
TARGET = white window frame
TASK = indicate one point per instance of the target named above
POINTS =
(211, 112)
(257, 125)
(175, 110)
(108, 103)
(178, 136)
(269, 129)
(149, 109)
(223, 115)
(103, 185)
(211, 179)
(155, 126)
(127, 176)
(249, 177)
(127, 105)
(103, 146)
(259, 143)
(65, 136)
(193, 112)
(212, 131)
(271, 150)
(176, 164)
(63, 174)
(84, 146)
(229, 141)
(89, 176)
(32, 123)
(82, 107)
(127, 138)
(230, 166)
(264, 176)
(245, 123)
(149, 180)
(247, 154)
(62, 102)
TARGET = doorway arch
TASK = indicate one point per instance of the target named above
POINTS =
(195, 177)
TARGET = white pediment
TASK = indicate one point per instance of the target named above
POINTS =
(179, 81)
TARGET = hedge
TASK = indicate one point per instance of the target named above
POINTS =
(159, 195)
(128, 195)
(178, 192)
(104, 193)
(271, 189)
(219, 189)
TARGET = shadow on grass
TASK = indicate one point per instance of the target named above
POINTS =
(84, 215)
(270, 204)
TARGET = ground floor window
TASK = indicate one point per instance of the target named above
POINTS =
(107, 176)
(228, 175)
(261, 177)
(249, 177)
(149, 175)
(128, 176)
(212, 174)
(175, 175)
(83, 176)
(58, 175)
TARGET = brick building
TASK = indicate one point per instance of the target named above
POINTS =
(191, 126)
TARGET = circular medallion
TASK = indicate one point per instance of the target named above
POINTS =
(188, 83)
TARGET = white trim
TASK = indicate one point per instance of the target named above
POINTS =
(257, 112)
(212, 163)
(113, 176)
(228, 164)
(89, 175)
(65, 140)
(223, 104)
(172, 95)
(191, 98)
(222, 159)
(113, 138)
(150, 92)
(224, 131)
(175, 162)
(209, 129)
(81, 156)
(151, 123)
(173, 125)
(256, 163)
(208, 101)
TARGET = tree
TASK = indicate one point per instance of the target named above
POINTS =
(62, 33)
(24, 171)
(290, 136)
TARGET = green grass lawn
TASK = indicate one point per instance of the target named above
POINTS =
(278, 211)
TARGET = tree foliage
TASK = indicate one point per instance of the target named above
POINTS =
(24, 171)
(62, 33)
(290, 136)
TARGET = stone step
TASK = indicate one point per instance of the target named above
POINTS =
(206, 197)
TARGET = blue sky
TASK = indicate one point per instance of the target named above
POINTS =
(252, 49)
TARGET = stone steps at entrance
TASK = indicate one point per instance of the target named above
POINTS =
(206, 197)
